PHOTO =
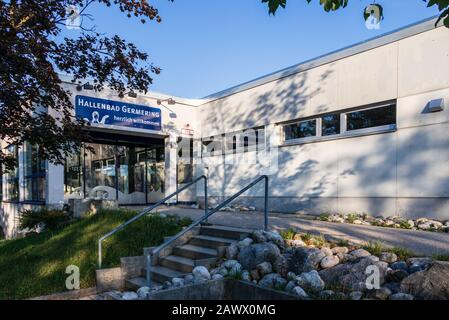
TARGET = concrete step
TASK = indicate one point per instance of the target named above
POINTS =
(161, 274)
(194, 252)
(134, 284)
(210, 241)
(178, 263)
(225, 232)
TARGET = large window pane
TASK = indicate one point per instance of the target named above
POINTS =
(12, 177)
(330, 125)
(34, 174)
(212, 146)
(73, 177)
(371, 118)
(300, 130)
(100, 171)
(185, 160)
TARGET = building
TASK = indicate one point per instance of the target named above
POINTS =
(362, 129)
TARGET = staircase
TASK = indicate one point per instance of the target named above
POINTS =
(202, 249)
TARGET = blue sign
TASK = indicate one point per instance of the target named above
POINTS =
(117, 113)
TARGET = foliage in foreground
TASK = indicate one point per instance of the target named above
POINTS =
(52, 218)
(36, 265)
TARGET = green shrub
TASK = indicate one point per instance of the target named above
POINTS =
(351, 217)
(402, 253)
(52, 218)
(288, 234)
(441, 257)
(324, 216)
(374, 247)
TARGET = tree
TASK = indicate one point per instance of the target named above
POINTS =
(333, 5)
(31, 56)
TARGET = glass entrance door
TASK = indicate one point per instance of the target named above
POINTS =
(133, 175)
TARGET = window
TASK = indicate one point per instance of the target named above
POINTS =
(368, 118)
(34, 174)
(300, 130)
(330, 124)
(185, 160)
(12, 177)
(1, 183)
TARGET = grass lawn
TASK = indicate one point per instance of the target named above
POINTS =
(36, 265)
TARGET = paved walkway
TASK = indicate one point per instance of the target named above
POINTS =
(419, 242)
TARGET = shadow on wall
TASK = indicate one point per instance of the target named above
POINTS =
(398, 173)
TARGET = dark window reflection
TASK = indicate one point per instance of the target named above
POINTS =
(330, 125)
(300, 130)
(371, 118)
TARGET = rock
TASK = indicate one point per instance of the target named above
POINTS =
(422, 262)
(273, 281)
(388, 257)
(264, 268)
(281, 265)
(274, 237)
(258, 236)
(297, 243)
(327, 295)
(360, 253)
(130, 295)
(246, 276)
(400, 265)
(329, 262)
(431, 284)
(223, 271)
(229, 264)
(396, 275)
(217, 276)
(290, 286)
(411, 223)
(401, 296)
(168, 285)
(310, 281)
(291, 276)
(355, 295)
(143, 292)
(245, 242)
(255, 274)
(251, 256)
(375, 259)
(415, 268)
(188, 279)
(327, 251)
(342, 250)
(382, 294)
(304, 259)
(298, 291)
(357, 221)
(201, 273)
(177, 282)
(394, 287)
(340, 296)
(232, 251)
(352, 276)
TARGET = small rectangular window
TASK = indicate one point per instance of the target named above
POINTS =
(370, 118)
(11, 178)
(300, 130)
(330, 125)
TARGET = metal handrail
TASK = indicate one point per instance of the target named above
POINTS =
(149, 209)
(206, 216)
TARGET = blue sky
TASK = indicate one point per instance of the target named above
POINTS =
(205, 46)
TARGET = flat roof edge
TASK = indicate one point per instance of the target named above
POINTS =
(372, 43)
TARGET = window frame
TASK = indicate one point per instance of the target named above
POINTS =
(34, 176)
(344, 133)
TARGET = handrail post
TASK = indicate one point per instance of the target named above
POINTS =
(266, 205)
(149, 269)
(206, 206)
(99, 253)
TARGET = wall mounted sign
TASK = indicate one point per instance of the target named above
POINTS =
(117, 113)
